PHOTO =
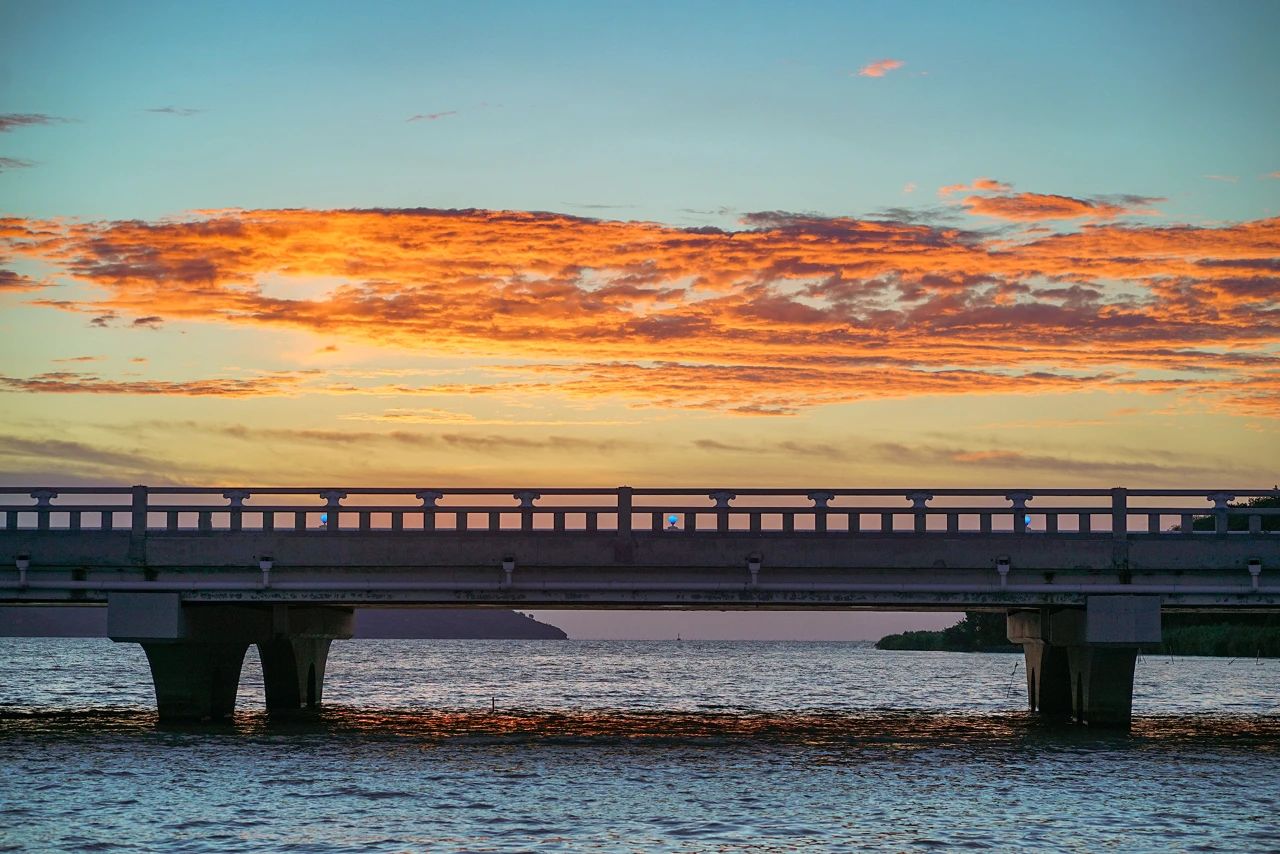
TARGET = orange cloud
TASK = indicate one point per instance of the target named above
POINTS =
(1034, 207)
(792, 311)
(880, 67)
(978, 185)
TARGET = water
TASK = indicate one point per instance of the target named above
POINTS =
(652, 746)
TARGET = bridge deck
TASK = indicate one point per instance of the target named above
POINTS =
(684, 548)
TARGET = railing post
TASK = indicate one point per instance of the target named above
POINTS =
(1119, 513)
(1220, 501)
(1019, 501)
(920, 502)
(820, 501)
(526, 500)
(624, 511)
(138, 525)
(236, 498)
(44, 498)
(722, 499)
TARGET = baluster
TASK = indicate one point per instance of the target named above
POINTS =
(855, 522)
(755, 522)
(44, 498)
(593, 522)
(171, 520)
(920, 503)
(984, 523)
(206, 520)
(333, 509)
(722, 500)
(657, 521)
(366, 521)
(268, 520)
(691, 521)
(460, 520)
(1255, 524)
(1051, 523)
(1019, 500)
(1086, 523)
(820, 500)
(557, 520)
(429, 497)
(397, 520)
(73, 520)
(1153, 523)
(886, 523)
(235, 499)
(495, 520)
(1187, 524)
(11, 520)
(953, 523)
(526, 500)
(299, 520)
(1220, 501)
(788, 522)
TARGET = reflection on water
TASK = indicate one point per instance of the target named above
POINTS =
(511, 746)
(738, 729)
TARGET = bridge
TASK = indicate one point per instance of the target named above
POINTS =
(196, 575)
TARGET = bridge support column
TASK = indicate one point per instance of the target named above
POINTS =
(1102, 684)
(195, 681)
(196, 651)
(1102, 642)
(1047, 666)
(294, 659)
(1080, 661)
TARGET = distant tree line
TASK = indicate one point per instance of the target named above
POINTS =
(1235, 636)
(979, 631)
(1240, 523)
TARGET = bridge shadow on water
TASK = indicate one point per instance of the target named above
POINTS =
(735, 729)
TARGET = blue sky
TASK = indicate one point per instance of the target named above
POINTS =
(652, 110)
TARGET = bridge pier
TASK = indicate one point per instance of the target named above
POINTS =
(294, 658)
(196, 652)
(194, 680)
(1080, 662)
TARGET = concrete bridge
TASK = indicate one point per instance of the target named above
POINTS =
(196, 575)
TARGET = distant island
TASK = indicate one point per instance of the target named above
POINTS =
(427, 623)
(1233, 636)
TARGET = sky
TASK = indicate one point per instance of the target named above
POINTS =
(734, 244)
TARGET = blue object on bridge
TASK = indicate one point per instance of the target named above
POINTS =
(673, 522)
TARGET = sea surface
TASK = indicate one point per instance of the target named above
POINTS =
(634, 746)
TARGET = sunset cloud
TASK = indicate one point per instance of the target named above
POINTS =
(13, 121)
(879, 68)
(790, 312)
(978, 185)
(8, 164)
(1034, 207)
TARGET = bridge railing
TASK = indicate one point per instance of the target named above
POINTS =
(1114, 512)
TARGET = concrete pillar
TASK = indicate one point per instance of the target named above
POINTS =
(1102, 684)
(196, 651)
(295, 655)
(1048, 673)
(1048, 679)
(293, 672)
(1102, 643)
(195, 681)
